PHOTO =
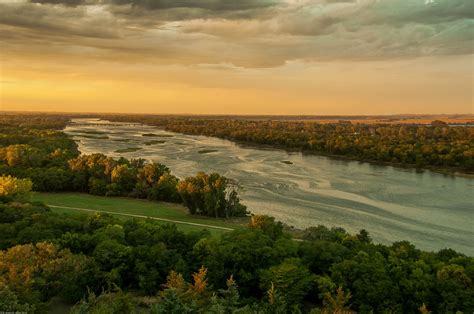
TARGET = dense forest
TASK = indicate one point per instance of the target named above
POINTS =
(102, 264)
(437, 146)
(106, 265)
(38, 150)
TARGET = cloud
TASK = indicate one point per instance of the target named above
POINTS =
(245, 33)
(64, 2)
(213, 5)
(45, 21)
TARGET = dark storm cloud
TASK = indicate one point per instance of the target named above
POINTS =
(65, 2)
(213, 5)
(249, 33)
(63, 22)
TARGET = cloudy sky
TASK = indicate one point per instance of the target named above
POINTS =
(238, 56)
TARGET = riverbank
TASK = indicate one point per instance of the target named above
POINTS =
(429, 209)
(441, 170)
(451, 150)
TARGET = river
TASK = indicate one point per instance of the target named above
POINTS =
(431, 210)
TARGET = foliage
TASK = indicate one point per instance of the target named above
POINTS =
(291, 278)
(9, 301)
(126, 266)
(107, 302)
(51, 160)
(424, 146)
(112, 264)
(272, 228)
(14, 189)
(337, 303)
(211, 195)
(39, 272)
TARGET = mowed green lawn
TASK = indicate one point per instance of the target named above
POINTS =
(129, 206)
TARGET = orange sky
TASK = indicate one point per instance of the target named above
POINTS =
(277, 57)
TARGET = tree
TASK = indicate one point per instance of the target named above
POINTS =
(324, 233)
(455, 288)
(22, 155)
(175, 296)
(267, 224)
(164, 189)
(97, 186)
(369, 281)
(241, 253)
(107, 302)
(12, 188)
(291, 278)
(276, 302)
(211, 195)
(9, 302)
(438, 123)
(337, 304)
(320, 255)
(150, 173)
(41, 271)
(229, 301)
(363, 236)
(124, 178)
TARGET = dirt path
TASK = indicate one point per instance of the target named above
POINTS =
(142, 216)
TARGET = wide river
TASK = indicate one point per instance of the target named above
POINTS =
(431, 210)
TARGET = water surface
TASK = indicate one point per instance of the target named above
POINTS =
(431, 210)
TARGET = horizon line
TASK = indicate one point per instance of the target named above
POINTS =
(238, 114)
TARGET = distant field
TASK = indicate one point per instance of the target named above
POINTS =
(120, 206)
(465, 119)
(363, 119)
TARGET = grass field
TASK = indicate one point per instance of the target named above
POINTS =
(71, 203)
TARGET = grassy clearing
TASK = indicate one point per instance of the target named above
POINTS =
(130, 206)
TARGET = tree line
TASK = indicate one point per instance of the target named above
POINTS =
(51, 160)
(105, 265)
(436, 146)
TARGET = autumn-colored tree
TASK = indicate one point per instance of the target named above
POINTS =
(338, 303)
(200, 281)
(267, 224)
(424, 309)
(42, 267)
(12, 188)
(276, 302)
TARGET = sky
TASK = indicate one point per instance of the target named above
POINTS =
(237, 56)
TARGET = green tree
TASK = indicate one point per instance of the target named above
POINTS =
(267, 224)
(455, 288)
(9, 302)
(211, 195)
(291, 278)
